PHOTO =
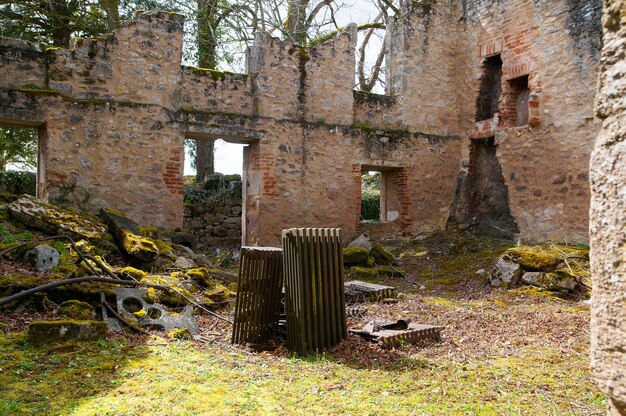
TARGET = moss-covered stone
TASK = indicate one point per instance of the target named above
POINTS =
(363, 273)
(217, 296)
(164, 248)
(131, 272)
(373, 274)
(76, 309)
(382, 256)
(54, 220)
(142, 248)
(554, 281)
(182, 334)
(146, 231)
(55, 331)
(168, 298)
(67, 267)
(355, 256)
(535, 258)
(126, 233)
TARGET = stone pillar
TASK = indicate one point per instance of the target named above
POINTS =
(608, 215)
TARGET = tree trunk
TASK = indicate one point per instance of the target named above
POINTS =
(207, 32)
(205, 159)
(60, 16)
(296, 20)
(208, 11)
(111, 8)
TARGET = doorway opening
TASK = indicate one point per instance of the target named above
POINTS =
(20, 170)
(214, 200)
(381, 188)
(370, 196)
(490, 88)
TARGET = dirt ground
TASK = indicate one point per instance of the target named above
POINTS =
(519, 351)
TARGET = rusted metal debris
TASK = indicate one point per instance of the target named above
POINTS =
(258, 294)
(393, 334)
(132, 306)
(358, 291)
(356, 311)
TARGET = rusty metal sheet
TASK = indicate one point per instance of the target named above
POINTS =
(394, 334)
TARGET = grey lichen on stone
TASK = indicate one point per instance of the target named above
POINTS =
(505, 273)
(52, 219)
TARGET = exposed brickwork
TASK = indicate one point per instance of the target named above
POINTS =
(173, 173)
(545, 163)
(400, 181)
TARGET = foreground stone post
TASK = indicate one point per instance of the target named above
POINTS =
(608, 215)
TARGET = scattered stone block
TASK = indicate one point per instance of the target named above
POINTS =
(75, 309)
(554, 281)
(168, 298)
(43, 257)
(382, 256)
(361, 241)
(374, 273)
(355, 256)
(56, 331)
(505, 273)
(187, 240)
(184, 263)
(126, 233)
(54, 220)
(534, 259)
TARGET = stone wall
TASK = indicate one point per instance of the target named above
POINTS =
(105, 111)
(217, 224)
(608, 215)
(114, 111)
(556, 44)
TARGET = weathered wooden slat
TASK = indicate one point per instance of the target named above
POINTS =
(314, 292)
(259, 287)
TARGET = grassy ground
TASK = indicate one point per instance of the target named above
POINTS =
(519, 352)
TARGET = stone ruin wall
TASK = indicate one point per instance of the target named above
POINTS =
(545, 164)
(215, 225)
(608, 215)
(115, 111)
(435, 69)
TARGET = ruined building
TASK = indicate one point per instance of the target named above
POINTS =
(488, 121)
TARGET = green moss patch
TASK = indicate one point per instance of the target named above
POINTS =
(76, 309)
(55, 331)
(355, 256)
(54, 220)
(535, 258)
(168, 298)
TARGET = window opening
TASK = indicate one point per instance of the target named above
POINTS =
(19, 160)
(518, 103)
(490, 88)
(371, 196)
(214, 204)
